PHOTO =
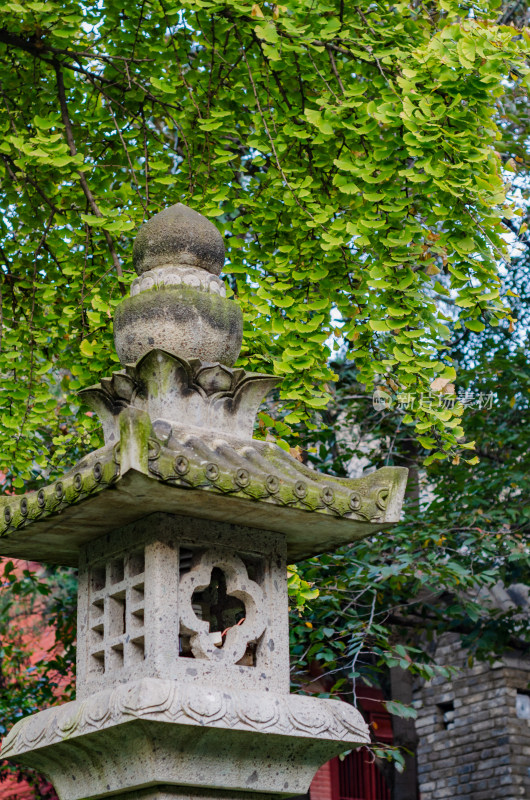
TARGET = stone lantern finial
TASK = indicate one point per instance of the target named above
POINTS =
(178, 303)
(178, 237)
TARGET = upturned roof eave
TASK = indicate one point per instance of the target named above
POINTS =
(105, 492)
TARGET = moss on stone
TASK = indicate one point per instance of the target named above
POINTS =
(181, 320)
(180, 301)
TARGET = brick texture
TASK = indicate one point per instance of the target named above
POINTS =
(472, 745)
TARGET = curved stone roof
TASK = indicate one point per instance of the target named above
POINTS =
(250, 483)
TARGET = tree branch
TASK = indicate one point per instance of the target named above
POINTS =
(523, 239)
(82, 177)
(11, 171)
(38, 48)
(513, 642)
(509, 13)
(334, 68)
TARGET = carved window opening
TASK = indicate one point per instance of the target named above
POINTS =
(116, 570)
(98, 578)
(217, 607)
(522, 704)
(447, 715)
(214, 606)
(185, 560)
(215, 615)
(116, 614)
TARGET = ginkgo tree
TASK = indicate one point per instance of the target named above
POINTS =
(348, 152)
(352, 155)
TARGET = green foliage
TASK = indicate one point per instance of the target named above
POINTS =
(465, 529)
(29, 600)
(300, 591)
(351, 154)
(400, 709)
(347, 153)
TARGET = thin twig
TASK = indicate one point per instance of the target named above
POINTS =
(334, 68)
(358, 652)
(267, 131)
(8, 161)
(31, 328)
(328, 87)
(82, 177)
(124, 145)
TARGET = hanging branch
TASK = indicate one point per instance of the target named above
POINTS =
(82, 177)
(520, 238)
(509, 13)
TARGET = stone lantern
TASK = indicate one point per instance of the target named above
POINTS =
(182, 526)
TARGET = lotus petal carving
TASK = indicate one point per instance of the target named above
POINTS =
(187, 393)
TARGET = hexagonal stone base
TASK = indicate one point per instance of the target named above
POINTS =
(150, 733)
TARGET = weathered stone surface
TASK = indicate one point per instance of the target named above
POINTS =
(201, 737)
(178, 236)
(166, 792)
(186, 427)
(180, 319)
(168, 701)
(182, 526)
(115, 486)
(209, 396)
(257, 621)
(178, 303)
(173, 276)
(137, 606)
(165, 700)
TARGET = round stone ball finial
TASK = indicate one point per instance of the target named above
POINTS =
(178, 236)
(178, 303)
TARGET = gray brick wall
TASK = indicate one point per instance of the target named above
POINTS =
(472, 746)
